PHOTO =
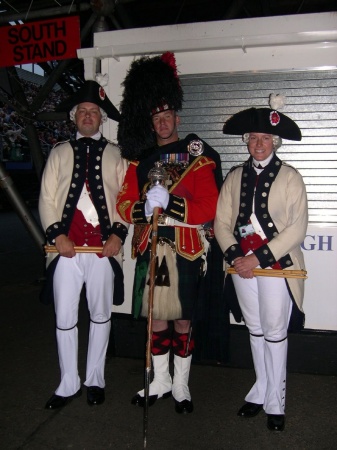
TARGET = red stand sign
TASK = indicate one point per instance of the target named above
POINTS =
(45, 40)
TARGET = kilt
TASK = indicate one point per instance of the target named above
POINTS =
(188, 273)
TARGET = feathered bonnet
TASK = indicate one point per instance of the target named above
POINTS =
(93, 92)
(264, 120)
(150, 86)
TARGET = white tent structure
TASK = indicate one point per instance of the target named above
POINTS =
(226, 66)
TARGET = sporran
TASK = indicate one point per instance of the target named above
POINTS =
(166, 303)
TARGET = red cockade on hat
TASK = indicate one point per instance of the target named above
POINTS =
(101, 93)
(274, 118)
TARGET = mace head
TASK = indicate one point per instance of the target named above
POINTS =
(158, 175)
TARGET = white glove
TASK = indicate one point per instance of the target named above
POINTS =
(157, 196)
(149, 207)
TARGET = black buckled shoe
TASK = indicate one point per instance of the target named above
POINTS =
(138, 400)
(250, 410)
(275, 422)
(184, 407)
(95, 395)
(57, 401)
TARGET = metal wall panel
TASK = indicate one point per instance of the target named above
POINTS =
(311, 100)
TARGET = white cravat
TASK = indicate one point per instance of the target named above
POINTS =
(253, 218)
(84, 203)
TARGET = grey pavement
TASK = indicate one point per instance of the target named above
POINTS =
(29, 375)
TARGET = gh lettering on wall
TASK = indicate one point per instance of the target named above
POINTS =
(317, 242)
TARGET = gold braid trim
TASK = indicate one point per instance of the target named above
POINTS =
(196, 164)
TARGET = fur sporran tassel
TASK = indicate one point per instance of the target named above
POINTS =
(166, 303)
(163, 276)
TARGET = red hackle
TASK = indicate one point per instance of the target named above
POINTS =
(169, 59)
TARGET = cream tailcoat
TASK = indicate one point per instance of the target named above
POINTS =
(56, 180)
(287, 205)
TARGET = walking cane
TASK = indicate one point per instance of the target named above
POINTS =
(157, 176)
(149, 319)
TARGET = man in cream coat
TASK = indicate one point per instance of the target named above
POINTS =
(77, 208)
(261, 220)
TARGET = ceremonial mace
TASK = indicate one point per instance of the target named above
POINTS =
(157, 176)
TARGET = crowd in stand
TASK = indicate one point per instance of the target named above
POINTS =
(13, 141)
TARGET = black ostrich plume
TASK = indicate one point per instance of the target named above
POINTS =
(151, 85)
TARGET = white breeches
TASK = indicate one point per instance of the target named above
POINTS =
(266, 307)
(69, 277)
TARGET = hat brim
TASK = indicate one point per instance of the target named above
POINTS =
(261, 121)
(91, 92)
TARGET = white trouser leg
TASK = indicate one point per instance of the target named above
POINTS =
(266, 307)
(162, 382)
(68, 281)
(275, 312)
(180, 390)
(67, 344)
(99, 290)
(98, 344)
(276, 366)
(70, 274)
(258, 391)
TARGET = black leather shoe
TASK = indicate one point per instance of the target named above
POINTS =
(57, 401)
(275, 422)
(140, 401)
(250, 410)
(95, 395)
(184, 407)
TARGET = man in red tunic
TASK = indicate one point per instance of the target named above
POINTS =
(187, 202)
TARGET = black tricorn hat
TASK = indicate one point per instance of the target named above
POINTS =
(262, 120)
(91, 92)
(150, 86)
